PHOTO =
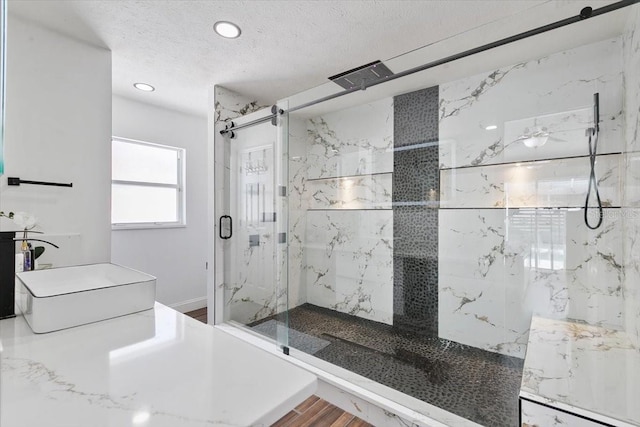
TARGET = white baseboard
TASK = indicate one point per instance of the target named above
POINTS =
(190, 305)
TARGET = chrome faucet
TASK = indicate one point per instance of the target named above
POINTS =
(8, 271)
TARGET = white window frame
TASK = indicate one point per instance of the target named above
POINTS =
(180, 186)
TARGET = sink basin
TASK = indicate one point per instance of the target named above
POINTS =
(65, 297)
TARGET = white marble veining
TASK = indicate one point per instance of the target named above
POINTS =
(358, 192)
(631, 218)
(584, 369)
(355, 141)
(155, 368)
(378, 415)
(547, 183)
(230, 105)
(631, 191)
(349, 262)
(554, 92)
(297, 203)
(631, 57)
(340, 223)
(477, 304)
(631, 253)
(535, 415)
(497, 268)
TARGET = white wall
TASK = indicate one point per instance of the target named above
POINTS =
(58, 128)
(176, 256)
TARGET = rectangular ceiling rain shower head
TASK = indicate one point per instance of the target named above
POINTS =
(362, 76)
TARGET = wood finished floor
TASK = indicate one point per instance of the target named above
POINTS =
(313, 412)
(199, 314)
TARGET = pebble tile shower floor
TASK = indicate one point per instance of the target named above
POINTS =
(475, 384)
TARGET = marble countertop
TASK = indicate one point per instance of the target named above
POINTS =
(584, 369)
(154, 368)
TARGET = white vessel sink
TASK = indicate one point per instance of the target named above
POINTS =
(65, 297)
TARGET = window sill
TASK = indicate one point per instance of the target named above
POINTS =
(148, 226)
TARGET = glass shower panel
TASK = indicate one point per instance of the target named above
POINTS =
(249, 228)
(3, 55)
(429, 223)
(346, 167)
(283, 293)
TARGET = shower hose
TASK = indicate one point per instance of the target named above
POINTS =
(593, 182)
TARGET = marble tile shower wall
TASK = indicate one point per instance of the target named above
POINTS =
(631, 210)
(512, 236)
(341, 222)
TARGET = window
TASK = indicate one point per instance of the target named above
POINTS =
(147, 185)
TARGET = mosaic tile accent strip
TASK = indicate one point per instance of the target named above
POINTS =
(416, 189)
(415, 120)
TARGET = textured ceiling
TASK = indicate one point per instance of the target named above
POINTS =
(285, 46)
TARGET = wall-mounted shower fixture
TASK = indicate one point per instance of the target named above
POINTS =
(362, 76)
(592, 134)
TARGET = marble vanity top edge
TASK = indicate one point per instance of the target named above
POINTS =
(135, 369)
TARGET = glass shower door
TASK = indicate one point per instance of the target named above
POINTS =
(249, 231)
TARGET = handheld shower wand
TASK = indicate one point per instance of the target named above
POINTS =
(592, 134)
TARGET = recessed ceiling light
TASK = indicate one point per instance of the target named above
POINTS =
(227, 29)
(145, 87)
(491, 127)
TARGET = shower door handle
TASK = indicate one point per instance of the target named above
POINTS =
(225, 237)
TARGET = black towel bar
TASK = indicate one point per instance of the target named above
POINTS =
(18, 181)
